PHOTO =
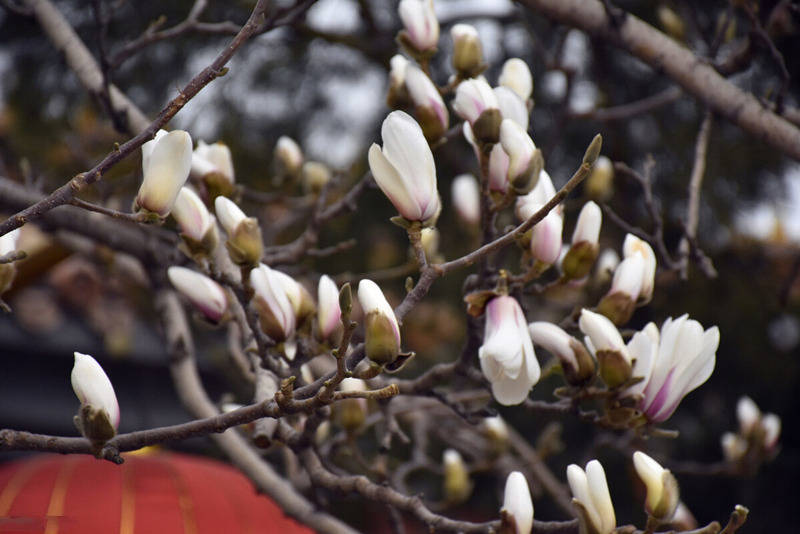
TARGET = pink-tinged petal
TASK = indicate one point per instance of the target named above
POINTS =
(498, 169)
(546, 239)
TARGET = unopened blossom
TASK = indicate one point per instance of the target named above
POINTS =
(473, 98)
(507, 357)
(421, 25)
(428, 104)
(328, 311)
(457, 486)
(524, 163)
(512, 106)
(404, 168)
(546, 234)
(467, 51)
(517, 76)
(204, 293)
(673, 362)
(316, 175)
(600, 183)
(429, 238)
(299, 297)
(634, 245)
(498, 161)
(626, 286)
(397, 96)
(215, 158)
(605, 342)
(288, 157)
(517, 510)
(771, 424)
(191, 214)
(497, 431)
(8, 271)
(244, 235)
(663, 495)
(93, 388)
(351, 413)
(591, 497)
(381, 331)
(166, 162)
(275, 312)
(584, 248)
(466, 197)
(748, 414)
(606, 265)
(734, 446)
(576, 362)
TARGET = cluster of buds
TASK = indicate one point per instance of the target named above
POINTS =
(633, 282)
(98, 417)
(757, 437)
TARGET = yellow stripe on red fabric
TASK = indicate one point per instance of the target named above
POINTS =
(55, 509)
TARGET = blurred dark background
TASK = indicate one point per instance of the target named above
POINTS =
(322, 81)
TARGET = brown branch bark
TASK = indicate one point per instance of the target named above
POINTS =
(697, 77)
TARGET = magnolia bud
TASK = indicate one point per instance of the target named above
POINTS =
(275, 312)
(328, 313)
(467, 51)
(525, 164)
(605, 266)
(512, 106)
(429, 107)
(213, 164)
(517, 511)
(734, 446)
(466, 197)
(620, 301)
(581, 256)
(591, 498)
(663, 494)
(166, 162)
(244, 235)
(497, 432)
(409, 183)
(576, 362)
(288, 159)
(421, 32)
(351, 413)
(477, 104)
(381, 331)
(604, 340)
(398, 96)
(316, 175)
(632, 246)
(203, 292)
(301, 300)
(517, 76)
(771, 425)
(748, 414)
(593, 150)
(198, 227)
(98, 418)
(600, 183)
(457, 485)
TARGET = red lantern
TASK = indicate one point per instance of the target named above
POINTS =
(163, 493)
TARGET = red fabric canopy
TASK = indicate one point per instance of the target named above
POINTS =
(162, 493)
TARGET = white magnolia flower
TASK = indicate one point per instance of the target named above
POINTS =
(404, 169)
(275, 310)
(215, 158)
(93, 388)
(517, 76)
(506, 356)
(517, 502)
(204, 293)
(426, 97)
(328, 313)
(192, 215)
(381, 330)
(590, 493)
(673, 363)
(662, 489)
(8, 242)
(628, 277)
(546, 236)
(601, 334)
(473, 97)
(555, 341)
(166, 162)
(520, 149)
(632, 246)
(466, 196)
(421, 25)
(512, 106)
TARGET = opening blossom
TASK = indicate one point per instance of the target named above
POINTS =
(475, 98)
(204, 293)
(633, 246)
(517, 511)
(546, 234)
(576, 362)
(591, 498)
(507, 358)
(605, 342)
(663, 494)
(275, 311)
(404, 168)
(673, 362)
(381, 331)
(193, 217)
(584, 248)
(244, 235)
(166, 162)
(94, 390)
(215, 158)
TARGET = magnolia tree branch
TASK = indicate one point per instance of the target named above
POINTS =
(697, 77)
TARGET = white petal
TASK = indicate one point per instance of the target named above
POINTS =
(517, 502)
(228, 213)
(93, 388)
(167, 169)
(517, 76)
(466, 197)
(598, 488)
(512, 106)
(579, 486)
